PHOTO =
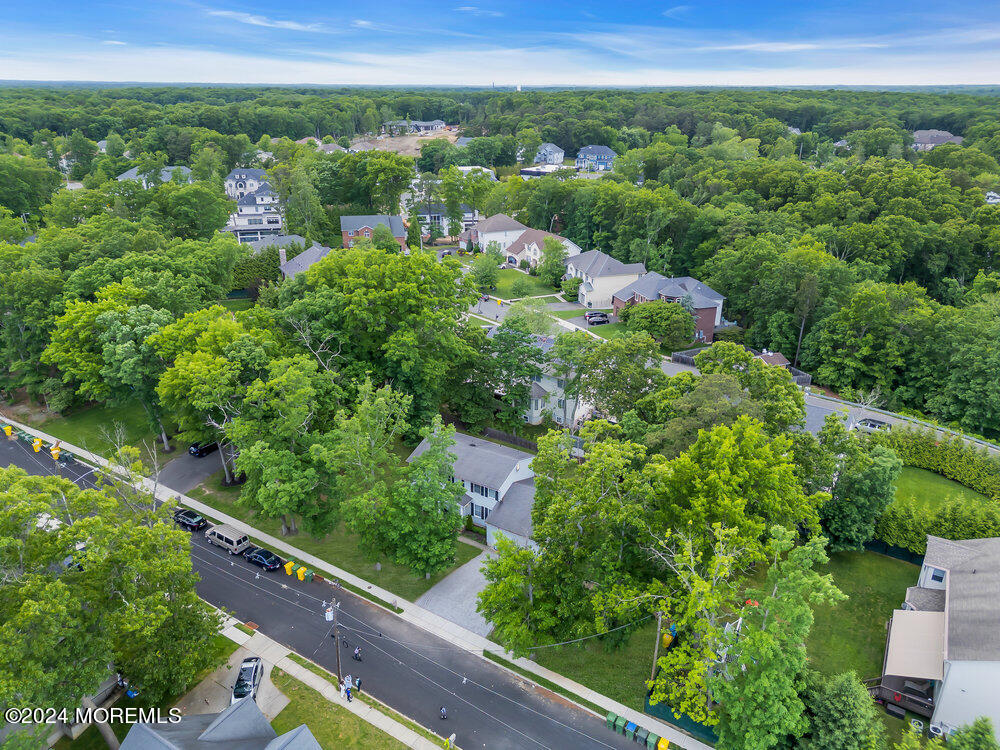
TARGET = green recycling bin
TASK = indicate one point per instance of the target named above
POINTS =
(611, 719)
(309, 574)
(620, 723)
(640, 736)
(651, 741)
(630, 730)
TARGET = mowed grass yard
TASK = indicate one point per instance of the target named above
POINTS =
(93, 427)
(931, 489)
(333, 726)
(849, 635)
(507, 277)
(340, 547)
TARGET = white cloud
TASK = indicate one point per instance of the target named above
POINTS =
(475, 10)
(113, 42)
(271, 23)
(360, 23)
(677, 10)
(790, 46)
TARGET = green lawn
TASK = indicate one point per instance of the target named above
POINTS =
(620, 674)
(339, 548)
(507, 277)
(333, 727)
(931, 489)
(91, 739)
(91, 426)
(850, 635)
(240, 303)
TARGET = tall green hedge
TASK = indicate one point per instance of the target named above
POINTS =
(907, 523)
(950, 457)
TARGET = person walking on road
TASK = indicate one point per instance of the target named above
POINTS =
(343, 690)
(444, 713)
(357, 654)
(349, 699)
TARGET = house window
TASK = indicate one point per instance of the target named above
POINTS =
(561, 403)
(480, 511)
(937, 575)
(478, 489)
(561, 382)
(255, 221)
(274, 221)
(351, 233)
(368, 233)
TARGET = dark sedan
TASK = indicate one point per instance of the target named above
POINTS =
(200, 450)
(188, 519)
(264, 558)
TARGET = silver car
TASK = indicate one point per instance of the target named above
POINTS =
(872, 425)
(248, 680)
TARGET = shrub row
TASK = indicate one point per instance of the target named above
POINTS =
(950, 457)
(906, 523)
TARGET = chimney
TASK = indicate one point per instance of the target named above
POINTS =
(282, 256)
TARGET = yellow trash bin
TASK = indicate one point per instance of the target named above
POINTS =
(301, 573)
(663, 744)
(289, 566)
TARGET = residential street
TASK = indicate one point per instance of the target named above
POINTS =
(403, 665)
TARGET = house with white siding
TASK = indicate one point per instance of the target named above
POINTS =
(491, 474)
(549, 153)
(258, 214)
(602, 276)
(244, 181)
(942, 655)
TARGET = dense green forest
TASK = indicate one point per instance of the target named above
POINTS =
(870, 264)
(865, 262)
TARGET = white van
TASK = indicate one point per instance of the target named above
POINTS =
(231, 540)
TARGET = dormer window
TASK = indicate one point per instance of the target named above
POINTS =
(937, 575)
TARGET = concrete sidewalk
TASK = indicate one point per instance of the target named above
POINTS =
(459, 636)
(274, 653)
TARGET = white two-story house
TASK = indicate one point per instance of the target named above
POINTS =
(499, 228)
(602, 276)
(258, 214)
(491, 474)
(243, 181)
(942, 656)
(548, 396)
(530, 244)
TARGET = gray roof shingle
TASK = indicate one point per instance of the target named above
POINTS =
(499, 223)
(304, 260)
(595, 263)
(354, 223)
(247, 173)
(480, 461)
(513, 514)
(653, 285)
(166, 174)
(973, 581)
(925, 600)
(595, 152)
(277, 240)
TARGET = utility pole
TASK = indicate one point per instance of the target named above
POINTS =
(331, 616)
(656, 646)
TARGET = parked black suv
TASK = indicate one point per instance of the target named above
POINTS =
(200, 450)
(264, 558)
(596, 318)
(188, 519)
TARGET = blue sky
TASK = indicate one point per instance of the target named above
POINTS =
(478, 42)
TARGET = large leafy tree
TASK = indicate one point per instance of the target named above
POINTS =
(758, 687)
(620, 371)
(93, 580)
(395, 316)
(552, 267)
(841, 714)
(415, 520)
(667, 322)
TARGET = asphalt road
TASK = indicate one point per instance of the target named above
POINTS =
(403, 665)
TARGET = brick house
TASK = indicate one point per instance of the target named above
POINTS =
(353, 228)
(705, 301)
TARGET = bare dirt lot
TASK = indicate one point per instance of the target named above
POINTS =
(407, 145)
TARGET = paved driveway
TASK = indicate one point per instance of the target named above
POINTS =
(454, 596)
(186, 472)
